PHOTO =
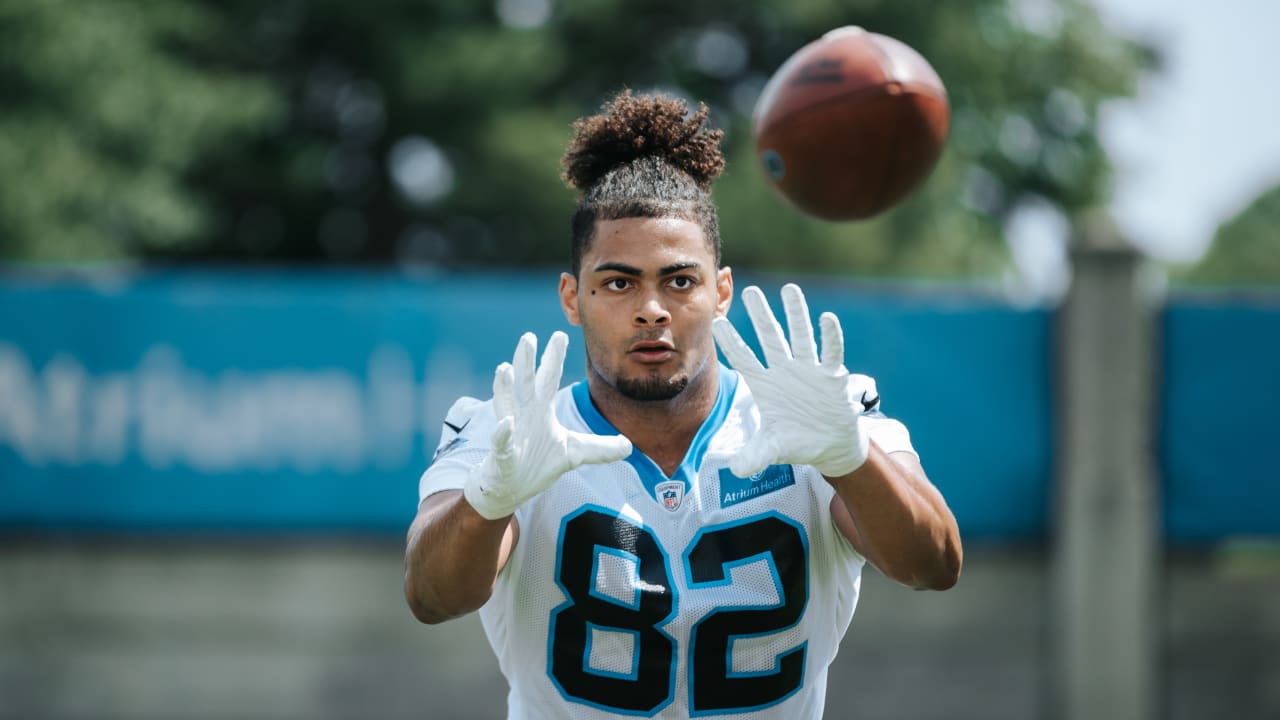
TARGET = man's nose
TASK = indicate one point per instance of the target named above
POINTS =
(652, 312)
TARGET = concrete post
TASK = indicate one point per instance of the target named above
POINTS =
(1105, 551)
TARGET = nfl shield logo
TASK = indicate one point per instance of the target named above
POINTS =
(670, 494)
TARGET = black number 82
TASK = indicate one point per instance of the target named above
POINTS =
(650, 686)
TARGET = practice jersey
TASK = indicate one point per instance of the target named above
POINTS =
(631, 593)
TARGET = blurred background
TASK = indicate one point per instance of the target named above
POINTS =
(251, 251)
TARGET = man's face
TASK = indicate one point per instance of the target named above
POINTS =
(645, 296)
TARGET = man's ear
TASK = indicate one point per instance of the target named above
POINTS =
(569, 298)
(724, 288)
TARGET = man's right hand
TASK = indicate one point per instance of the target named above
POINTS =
(531, 449)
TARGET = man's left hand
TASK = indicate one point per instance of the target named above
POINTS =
(806, 415)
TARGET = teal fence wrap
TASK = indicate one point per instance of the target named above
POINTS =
(234, 400)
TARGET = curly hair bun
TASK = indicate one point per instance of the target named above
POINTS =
(631, 127)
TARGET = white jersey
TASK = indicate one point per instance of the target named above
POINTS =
(631, 593)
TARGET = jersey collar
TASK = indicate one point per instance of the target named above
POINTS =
(649, 472)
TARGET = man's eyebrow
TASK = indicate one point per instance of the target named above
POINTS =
(637, 272)
(678, 267)
(619, 268)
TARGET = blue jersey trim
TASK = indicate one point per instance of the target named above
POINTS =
(632, 675)
(634, 560)
(649, 472)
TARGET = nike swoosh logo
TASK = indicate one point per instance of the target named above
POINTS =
(456, 428)
(868, 404)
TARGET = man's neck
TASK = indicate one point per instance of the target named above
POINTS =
(661, 429)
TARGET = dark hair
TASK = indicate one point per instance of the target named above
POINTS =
(643, 156)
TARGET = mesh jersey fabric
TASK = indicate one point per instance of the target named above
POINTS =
(635, 594)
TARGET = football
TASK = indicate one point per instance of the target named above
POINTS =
(850, 124)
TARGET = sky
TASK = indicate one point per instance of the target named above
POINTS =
(1199, 142)
(1202, 139)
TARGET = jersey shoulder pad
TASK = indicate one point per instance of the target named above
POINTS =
(468, 419)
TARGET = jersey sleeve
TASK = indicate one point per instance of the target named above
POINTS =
(464, 441)
(891, 435)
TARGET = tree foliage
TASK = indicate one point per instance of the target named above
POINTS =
(108, 106)
(1245, 249)
(431, 132)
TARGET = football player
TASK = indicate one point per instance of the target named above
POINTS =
(669, 537)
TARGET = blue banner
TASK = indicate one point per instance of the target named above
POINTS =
(241, 399)
(1220, 390)
(232, 400)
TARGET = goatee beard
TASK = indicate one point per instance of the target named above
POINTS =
(652, 388)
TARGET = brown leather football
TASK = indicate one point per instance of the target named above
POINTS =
(850, 124)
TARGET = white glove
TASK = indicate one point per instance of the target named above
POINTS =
(806, 415)
(531, 449)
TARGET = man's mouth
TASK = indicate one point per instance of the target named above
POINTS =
(652, 351)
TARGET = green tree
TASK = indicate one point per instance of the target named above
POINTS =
(108, 106)
(1245, 249)
(431, 132)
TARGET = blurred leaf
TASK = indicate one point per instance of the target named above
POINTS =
(1245, 250)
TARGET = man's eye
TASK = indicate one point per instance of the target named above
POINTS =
(618, 284)
(682, 282)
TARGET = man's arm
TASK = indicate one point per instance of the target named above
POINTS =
(453, 556)
(461, 539)
(898, 520)
(885, 506)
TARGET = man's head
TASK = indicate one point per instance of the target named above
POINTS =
(643, 156)
(646, 280)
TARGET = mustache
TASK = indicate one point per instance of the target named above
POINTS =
(651, 336)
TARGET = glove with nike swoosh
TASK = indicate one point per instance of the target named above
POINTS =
(806, 414)
(531, 449)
